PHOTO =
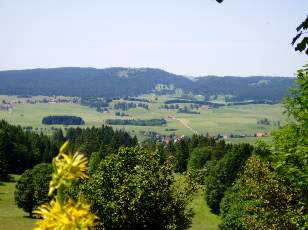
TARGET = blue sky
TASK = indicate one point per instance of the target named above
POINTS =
(190, 37)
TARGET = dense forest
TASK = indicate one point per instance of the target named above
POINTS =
(130, 82)
(20, 150)
(62, 120)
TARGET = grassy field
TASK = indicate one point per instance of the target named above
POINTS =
(203, 219)
(225, 120)
(12, 218)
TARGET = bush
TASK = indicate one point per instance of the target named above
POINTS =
(131, 190)
(261, 199)
(32, 187)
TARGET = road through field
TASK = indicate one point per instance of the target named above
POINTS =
(185, 122)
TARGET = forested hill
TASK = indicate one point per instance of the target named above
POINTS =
(245, 88)
(111, 82)
(119, 82)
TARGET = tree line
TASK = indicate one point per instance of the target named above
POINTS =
(62, 120)
(138, 122)
(21, 150)
(100, 104)
(129, 105)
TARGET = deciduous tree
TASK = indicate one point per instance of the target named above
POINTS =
(131, 190)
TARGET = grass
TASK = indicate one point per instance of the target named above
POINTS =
(12, 217)
(225, 120)
(203, 218)
(232, 119)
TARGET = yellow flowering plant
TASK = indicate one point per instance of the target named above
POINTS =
(62, 212)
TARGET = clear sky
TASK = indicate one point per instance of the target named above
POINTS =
(190, 37)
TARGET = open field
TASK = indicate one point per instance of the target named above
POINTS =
(12, 218)
(226, 120)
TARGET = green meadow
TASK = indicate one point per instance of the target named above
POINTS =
(226, 120)
(13, 218)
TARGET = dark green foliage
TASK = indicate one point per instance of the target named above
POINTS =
(199, 157)
(296, 104)
(108, 83)
(303, 44)
(58, 136)
(139, 122)
(100, 104)
(24, 192)
(20, 150)
(4, 173)
(260, 89)
(94, 162)
(291, 142)
(264, 121)
(275, 198)
(198, 150)
(261, 199)
(103, 139)
(222, 174)
(62, 120)
(32, 187)
(41, 176)
(131, 190)
(181, 155)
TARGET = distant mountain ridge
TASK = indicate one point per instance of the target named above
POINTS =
(121, 82)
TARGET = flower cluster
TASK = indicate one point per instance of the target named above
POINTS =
(70, 215)
(67, 167)
(63, 212)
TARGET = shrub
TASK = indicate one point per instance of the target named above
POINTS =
(32, 187)
(261, 199)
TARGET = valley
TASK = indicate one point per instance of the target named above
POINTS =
(235, 123)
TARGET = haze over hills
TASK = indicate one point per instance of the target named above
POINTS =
(121, 82)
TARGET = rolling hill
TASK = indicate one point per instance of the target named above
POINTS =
(121, 82)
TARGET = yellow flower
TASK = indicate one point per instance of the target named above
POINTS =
(68, 216)
(67, 167)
